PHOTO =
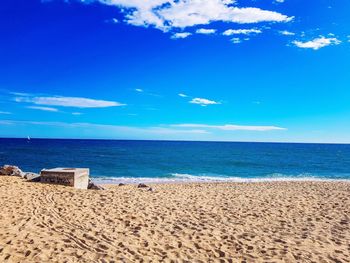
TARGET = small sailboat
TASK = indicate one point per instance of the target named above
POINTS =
(28, 139)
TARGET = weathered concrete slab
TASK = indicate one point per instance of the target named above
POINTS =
(75, 177)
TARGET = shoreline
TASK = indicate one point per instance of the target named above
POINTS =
(154, 180)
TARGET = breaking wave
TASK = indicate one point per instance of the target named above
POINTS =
(183, 178)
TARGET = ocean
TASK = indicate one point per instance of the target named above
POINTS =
(115, 161)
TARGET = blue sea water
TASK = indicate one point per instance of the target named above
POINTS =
(156, 161)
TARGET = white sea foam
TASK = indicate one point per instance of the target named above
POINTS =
(183, 178)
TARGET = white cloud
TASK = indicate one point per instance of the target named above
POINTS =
(230, 127)
(43, 108)
(182, 95)
(76, 102)
(5, 112)
(231, 32)
(112, 21)
(203, 102)
(236, 40)
(205, 31)
(181, 35)
(279, 1)
(139, 90)
(76, 113)
(286, 33)
(168, 14)
(317, 43)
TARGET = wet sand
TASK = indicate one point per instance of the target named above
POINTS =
(207, 222)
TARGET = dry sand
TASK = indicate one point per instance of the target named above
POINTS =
(221, 222)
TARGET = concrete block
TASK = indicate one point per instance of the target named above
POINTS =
(75, 177)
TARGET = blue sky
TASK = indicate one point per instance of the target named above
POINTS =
(263, 70)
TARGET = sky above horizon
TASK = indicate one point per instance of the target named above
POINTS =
(223, 70)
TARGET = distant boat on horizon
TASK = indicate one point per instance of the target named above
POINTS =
(28, 138)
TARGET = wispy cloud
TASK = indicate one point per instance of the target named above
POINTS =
(205, 31)
(152, 130)
(236, 40)
(317, 43)
(203, 102)
(112, 21)
(181, 35)
(230, 127)
(20, 94)
(199, 101)
(77, 113)
(5, 112)
(146, 92)
(61, 101)
(43, 108)
(93, 130)
(231, 32)
(286, 33)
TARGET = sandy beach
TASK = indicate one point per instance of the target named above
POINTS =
(207, 222)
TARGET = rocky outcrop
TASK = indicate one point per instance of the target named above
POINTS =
(32, 177)
(11, 170)
(93, 186)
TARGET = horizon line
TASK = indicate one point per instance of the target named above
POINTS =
(164, 140)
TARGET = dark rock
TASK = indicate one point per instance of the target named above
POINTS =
(4, 170)
(121, 184)
(142, 186)
(32, 177)
(11, 170)
(150, 189)
(93, 186)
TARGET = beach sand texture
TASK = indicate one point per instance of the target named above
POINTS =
(208, 222)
